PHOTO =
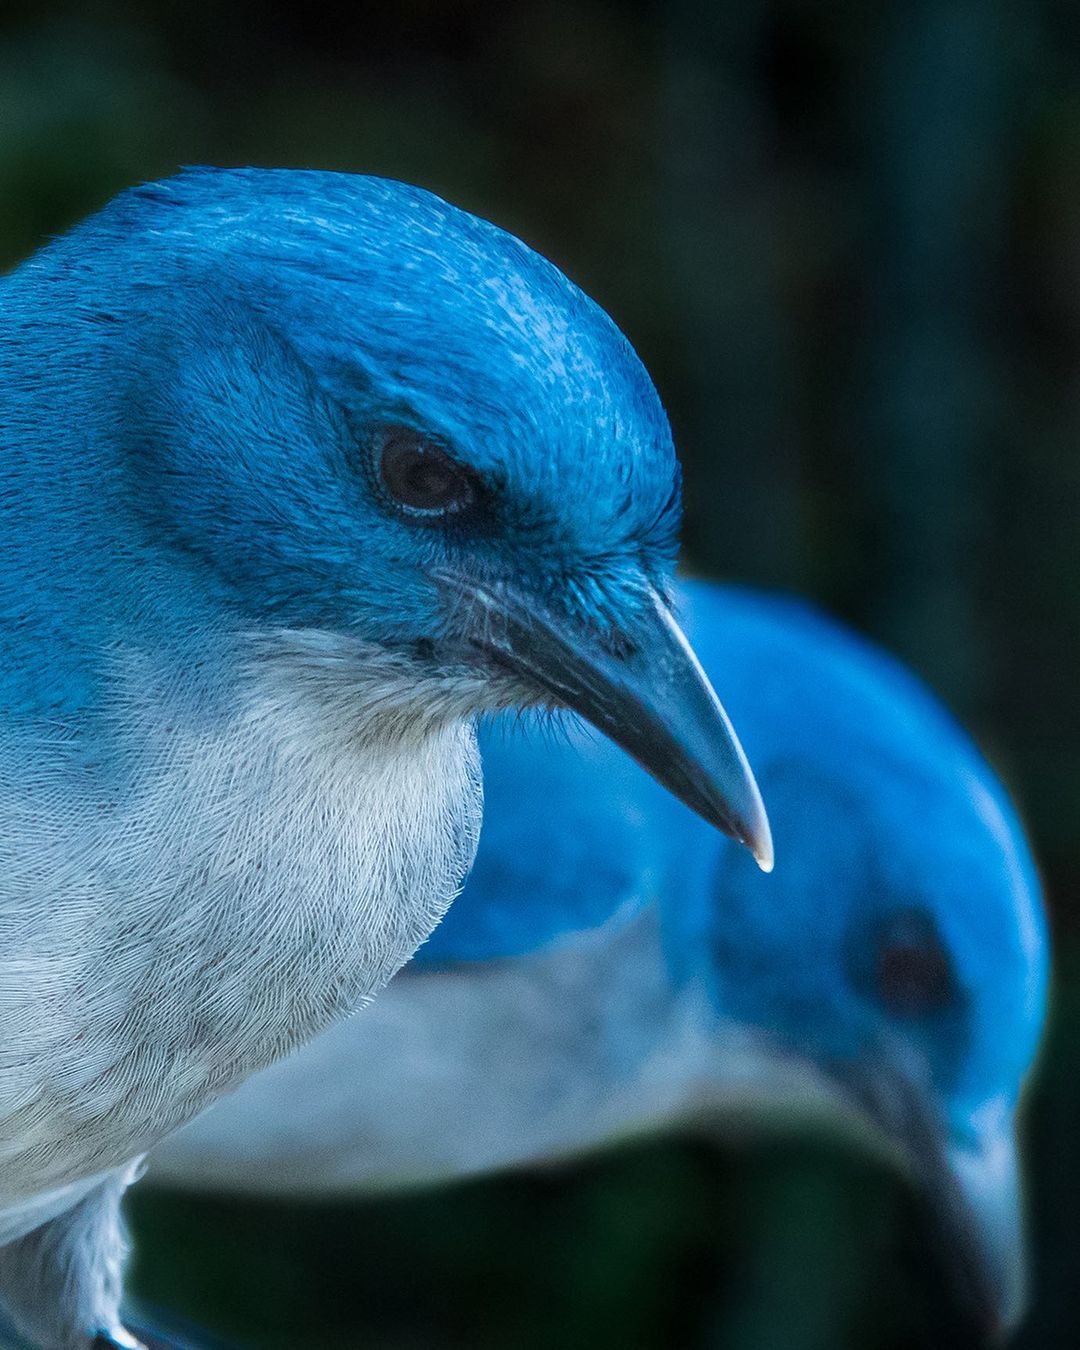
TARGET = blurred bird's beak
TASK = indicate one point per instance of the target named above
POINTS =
(643, 687)
(972, 1195)
(987, 1181)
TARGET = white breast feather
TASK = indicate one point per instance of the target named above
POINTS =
(260, 874)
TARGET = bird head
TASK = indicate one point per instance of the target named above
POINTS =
(407, 448)
(898, 969)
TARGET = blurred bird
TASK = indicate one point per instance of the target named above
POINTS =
(301, 472)
(613, 967)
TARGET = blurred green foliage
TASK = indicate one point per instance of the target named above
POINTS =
(845, 240)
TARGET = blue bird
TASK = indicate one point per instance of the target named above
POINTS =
(302, 471)
(614, 967)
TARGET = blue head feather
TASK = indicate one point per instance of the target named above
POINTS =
(190, 380)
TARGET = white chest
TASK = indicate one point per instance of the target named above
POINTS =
(252, 881)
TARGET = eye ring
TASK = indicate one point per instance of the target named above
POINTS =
(420, 478)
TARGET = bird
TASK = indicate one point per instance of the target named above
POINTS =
(613, 968)
(302, 472)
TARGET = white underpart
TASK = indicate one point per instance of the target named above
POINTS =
(262, 873)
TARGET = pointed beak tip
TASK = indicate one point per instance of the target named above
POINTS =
(737, 810)
(757, 834)
(748, 827)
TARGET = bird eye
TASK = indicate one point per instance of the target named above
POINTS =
(420, 477)
(913, 975)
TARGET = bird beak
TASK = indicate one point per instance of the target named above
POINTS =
(987, 1181)
(971, 1192)
(645, 689)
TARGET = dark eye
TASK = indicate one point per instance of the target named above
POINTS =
(913, 975)
(420, 477)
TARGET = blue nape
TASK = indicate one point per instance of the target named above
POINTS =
(302, 473)
(892, 969)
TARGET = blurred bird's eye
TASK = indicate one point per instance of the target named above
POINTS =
(420, 477)
(913, 975)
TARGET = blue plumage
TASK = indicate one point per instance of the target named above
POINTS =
(164, 334)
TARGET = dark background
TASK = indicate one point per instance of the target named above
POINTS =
(845, 238)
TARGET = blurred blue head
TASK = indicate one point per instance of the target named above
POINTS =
(902, 947)
(907, 910)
